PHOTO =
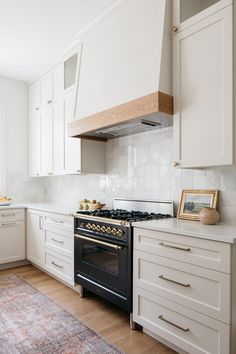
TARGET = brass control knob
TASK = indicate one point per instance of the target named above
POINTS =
(93, 227)
(174, 29)
(103, 228)
(98, 227)
(119, 232)
(108, 229)
(88, 226)
(114, 231)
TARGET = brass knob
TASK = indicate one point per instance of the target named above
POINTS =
(88, 226)
(93, 227)
(114, 231)
(175, 163)
(108, 230)
(174, 29)
(98, 227)
(119, 232)
(103, 228)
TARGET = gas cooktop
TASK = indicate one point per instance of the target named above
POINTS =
(125, 215)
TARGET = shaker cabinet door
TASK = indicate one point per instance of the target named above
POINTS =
(35, 238)
(203, 82)
(47, 141)
(35, 143)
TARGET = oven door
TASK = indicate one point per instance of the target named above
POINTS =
(101, 261)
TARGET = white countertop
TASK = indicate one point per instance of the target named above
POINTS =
(220, 232)
(48, 207)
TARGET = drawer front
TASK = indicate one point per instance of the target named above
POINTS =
(12, 215)
(59, 223)
(188, 330)
(208, 254)
(200, 289)
(61, 267)
(12, 241)
(60, 243)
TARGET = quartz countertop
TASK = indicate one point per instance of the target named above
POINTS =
(221, 232)
(48, 207)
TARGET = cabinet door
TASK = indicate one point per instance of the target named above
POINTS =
(203, 120)
(58, 137)
(35, 143)
(34, 96)
(47, 140)
(47, 88)
(12, 241)
(72, 145)
(35, 238)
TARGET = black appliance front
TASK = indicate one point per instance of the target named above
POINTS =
(104, 267)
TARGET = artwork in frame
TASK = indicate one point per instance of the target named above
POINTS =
(193, 201)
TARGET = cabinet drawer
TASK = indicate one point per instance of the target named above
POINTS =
(208, 254)
(200, 289)
(187, 329)
(60, 266)
(12, 241)
(60, 243)
(59, 223)
(12, 215)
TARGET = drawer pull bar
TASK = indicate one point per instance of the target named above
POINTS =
(9, 224)
(62, 242)
(173, 281)
(7, 215)
(173, 324)
(58, 266)
(175, 247)
(59, 221)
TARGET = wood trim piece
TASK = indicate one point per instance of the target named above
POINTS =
(143, 106)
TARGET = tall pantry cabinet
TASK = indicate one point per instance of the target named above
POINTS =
(51, 108)
(203, 83)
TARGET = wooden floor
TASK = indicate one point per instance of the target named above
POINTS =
(101, 316)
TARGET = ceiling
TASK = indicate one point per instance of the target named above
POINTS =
(34, 32)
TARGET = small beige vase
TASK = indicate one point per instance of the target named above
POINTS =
(209, 216)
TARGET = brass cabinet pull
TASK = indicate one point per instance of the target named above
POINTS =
(173, 324)
(173, 281)
(175, 247)
(50, 101)
(58, 266)
(174, 29)
(62, 242)
(7, 215)
(9, 224)
(58, 221)
(99, 242)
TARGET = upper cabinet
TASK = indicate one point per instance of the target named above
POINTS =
(203, 86)
(123, 58)
(51, 108)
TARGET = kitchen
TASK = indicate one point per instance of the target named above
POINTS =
(126, 103)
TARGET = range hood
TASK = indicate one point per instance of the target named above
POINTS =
(145, 113)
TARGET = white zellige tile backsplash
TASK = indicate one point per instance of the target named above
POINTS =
(139, 166)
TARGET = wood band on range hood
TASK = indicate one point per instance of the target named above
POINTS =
(157, 102)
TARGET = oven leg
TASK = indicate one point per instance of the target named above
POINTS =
(81, 291)
(132, 323)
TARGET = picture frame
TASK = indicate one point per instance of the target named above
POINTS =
(192, 201)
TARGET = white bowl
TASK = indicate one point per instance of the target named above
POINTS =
(5, 203)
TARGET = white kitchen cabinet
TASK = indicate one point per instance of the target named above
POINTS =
(125, 57)
(185, 303)
(47, 88)
(47, 140)
(58, 137)
(35, 96)
(12, 235)
(203, 92)
(35, 143)
(35, 237)
(188, 12)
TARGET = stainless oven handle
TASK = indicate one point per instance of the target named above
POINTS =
(100, 242)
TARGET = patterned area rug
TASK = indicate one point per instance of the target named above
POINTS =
(30, 323)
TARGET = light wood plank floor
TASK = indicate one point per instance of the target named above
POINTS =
(101, 316)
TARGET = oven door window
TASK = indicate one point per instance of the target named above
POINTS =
(101, 257)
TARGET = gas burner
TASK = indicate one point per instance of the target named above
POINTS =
(125, 215)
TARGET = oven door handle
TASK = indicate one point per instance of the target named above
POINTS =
(98, 241)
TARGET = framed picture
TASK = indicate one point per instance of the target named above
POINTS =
(192, 201)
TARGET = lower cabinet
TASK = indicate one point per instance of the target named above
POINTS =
(50, 241)
(12, 235)
(186, 305)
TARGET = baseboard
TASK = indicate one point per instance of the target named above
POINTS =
(14, 264)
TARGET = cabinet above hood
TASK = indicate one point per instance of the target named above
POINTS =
(123, 82)
(145, 113)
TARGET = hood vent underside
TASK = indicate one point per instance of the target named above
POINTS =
(145, 113)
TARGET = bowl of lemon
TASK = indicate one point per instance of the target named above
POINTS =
(4, 201)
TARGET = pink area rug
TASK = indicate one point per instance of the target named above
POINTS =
(30, 323)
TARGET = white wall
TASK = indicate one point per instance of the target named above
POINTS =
(14, 95)
(139, 166)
